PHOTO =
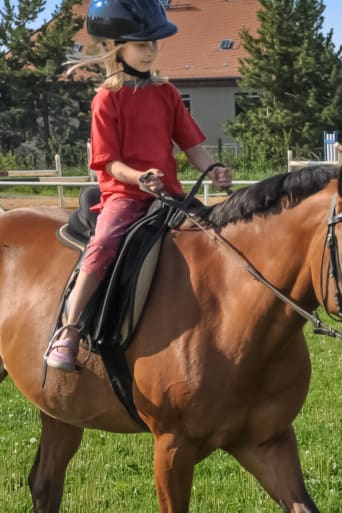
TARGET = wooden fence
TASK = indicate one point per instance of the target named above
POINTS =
(294, 164)
(43, 177)
(85, 181)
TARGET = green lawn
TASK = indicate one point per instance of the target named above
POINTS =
(113, 473)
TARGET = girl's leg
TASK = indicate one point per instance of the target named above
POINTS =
(112, 224)
(64, 351)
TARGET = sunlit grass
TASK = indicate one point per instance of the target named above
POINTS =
(114, 473)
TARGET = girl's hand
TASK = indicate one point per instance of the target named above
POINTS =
(152, 180)
(221, 177)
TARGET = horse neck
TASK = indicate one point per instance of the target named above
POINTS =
(280, 244)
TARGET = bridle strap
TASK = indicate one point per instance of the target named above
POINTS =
(334, 270)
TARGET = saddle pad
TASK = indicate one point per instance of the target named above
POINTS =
(143, 285)
(64, 236)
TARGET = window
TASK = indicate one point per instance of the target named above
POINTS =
(77, 48)
(165, 3)
(187, 101)
(226, 44)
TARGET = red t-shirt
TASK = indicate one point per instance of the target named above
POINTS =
(139, 126)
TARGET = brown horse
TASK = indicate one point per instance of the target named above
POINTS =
(218, 361)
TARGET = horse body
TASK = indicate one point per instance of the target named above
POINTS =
(217, 360)
(254, 370)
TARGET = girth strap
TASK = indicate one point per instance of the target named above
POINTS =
(120, 378)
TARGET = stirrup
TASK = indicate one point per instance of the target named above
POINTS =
(71, 326)
(51, 345)
(74, 326)
(60, 360)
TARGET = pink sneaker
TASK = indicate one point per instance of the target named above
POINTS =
(63, 360)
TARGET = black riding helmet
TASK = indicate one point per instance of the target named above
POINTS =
(128, 20)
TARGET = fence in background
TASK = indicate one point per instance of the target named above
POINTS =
(332, 154)
(54, 177)
(41, 173)
(85, 181)
(294, 164)
(221, 148)
(44, 177)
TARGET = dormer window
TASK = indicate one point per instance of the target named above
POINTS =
(226, 44)
(77, 48)
(165, 3)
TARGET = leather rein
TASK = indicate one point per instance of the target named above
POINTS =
(334, 270)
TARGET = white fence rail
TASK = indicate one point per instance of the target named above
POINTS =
(334, 154)
(44, 177)
(84, 182)
(56, 179)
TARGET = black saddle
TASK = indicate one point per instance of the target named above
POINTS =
(82, 222)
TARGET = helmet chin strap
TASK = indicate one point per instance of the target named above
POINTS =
(132, 71)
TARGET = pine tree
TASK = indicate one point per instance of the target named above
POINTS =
(36, 99)
(296, 72)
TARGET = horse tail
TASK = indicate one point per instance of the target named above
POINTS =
(3, 371)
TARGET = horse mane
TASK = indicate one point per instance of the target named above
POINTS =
(283, 190)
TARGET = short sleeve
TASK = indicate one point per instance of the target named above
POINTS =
(186, 132)
(105, 141)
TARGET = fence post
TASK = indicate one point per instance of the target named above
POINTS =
(289, 160)
(206, 193)
(338, 148)
(91, 172)
(59, 173)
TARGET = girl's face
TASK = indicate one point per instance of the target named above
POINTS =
(139, 55)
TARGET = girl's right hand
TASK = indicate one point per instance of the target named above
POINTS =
(151, 180)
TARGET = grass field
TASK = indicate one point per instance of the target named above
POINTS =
(113, 473)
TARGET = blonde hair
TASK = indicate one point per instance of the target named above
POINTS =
(107, 58)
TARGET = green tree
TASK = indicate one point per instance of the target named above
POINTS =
(296, 73)
(41, 110)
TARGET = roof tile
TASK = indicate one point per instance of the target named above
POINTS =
(194, 52)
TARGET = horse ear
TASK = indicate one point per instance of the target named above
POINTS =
(339, 181)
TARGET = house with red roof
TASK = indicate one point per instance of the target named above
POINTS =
(202, 59)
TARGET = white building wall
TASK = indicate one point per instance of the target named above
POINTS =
(212, 107)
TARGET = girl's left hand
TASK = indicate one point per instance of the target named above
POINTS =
(221, 177)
